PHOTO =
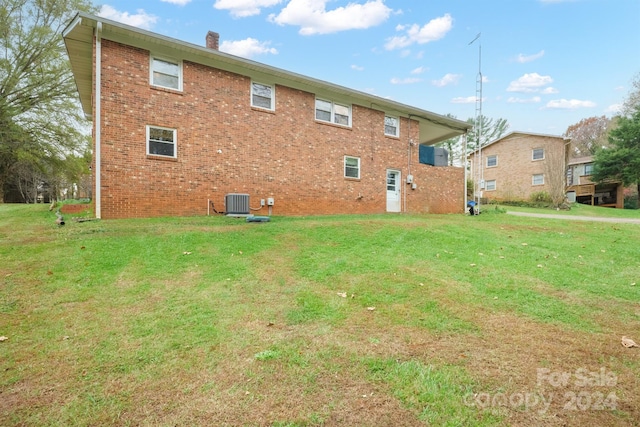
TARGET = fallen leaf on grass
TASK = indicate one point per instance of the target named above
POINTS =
(3, 338)
(633, 284)
(472, 265)
(371, 308)
(539, 265)
(186, 253)
(525, 244)
(342, 294)
(628, 342)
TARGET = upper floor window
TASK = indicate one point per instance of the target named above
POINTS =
(588, 169)
(391, 126)
(538, 179)
(165, 73)
(351, 167)
(492, 161)
(538, 154)
(161, 141)
(262, 96)
(331, 112)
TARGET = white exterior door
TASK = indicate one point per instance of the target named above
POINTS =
(393, 191)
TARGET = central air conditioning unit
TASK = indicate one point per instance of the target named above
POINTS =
(236, 204)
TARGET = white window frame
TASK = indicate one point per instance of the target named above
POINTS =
(174, 142)
(487, 185)
(495, 157)
(332, 112)
(588, 169)
(272, 98)
(351, 167)
(396, 134)
(153, 59)
(533, 154)
(533, 179)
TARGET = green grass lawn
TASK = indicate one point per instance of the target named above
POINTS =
(577, 209)
(443, 320)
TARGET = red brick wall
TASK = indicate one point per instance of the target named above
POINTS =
(226, 146)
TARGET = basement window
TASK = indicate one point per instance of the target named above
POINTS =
(166, 73)
(538, 179)
(161, 142)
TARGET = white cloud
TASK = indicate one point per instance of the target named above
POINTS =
(313, 18)
(569, 104)
(523, 59)
(141, 19)
(243, 8)
(464, 100)
(178, 2)
(419, 70)
(247, 48)
(532, 100)
(613, 109)
(448, 79)
(529, 83)
(405, 81)
(434, 30)
(549, 90)
(357, 68)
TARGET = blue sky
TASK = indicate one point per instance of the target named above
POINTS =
(546, 64)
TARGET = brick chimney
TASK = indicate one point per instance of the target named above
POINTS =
(213, 40)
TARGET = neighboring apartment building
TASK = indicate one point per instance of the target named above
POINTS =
(519, 164)
(181, 129)
(582, 189)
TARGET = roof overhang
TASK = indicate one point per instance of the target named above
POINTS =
(79, 38)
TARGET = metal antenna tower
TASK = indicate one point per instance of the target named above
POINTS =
(478, 184)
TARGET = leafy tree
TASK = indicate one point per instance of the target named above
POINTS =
(621, 161)
(40, 118)
(589, 135)
(632, 103)
(491, 129)
(453, 146)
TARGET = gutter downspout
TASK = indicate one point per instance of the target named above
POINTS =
(98, 119)
(465, 162)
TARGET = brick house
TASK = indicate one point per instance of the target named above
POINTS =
(582, 189)
(178, 129)
(520, 164)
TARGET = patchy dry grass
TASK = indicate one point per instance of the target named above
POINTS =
(321, 321)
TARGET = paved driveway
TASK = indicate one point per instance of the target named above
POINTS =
(579, 218)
